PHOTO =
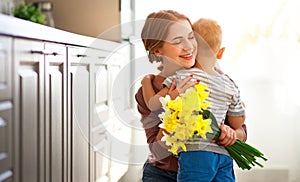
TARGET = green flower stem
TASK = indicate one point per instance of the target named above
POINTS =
(260, 165)
(242, 153)
(254, 150)
(241, 162)
(249, 149)
(246, 158)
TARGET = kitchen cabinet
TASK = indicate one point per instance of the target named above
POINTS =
(55, 60)
(6, 133)
(28, 110)
(91, 78)
(5, 67)
(79, 78)
(56, 111)
(41, 118)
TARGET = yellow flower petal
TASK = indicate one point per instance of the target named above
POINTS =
(182, 118)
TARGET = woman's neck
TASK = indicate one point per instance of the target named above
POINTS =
(207, 65)
(169, 69)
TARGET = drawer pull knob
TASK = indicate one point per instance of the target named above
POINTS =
(44, 53)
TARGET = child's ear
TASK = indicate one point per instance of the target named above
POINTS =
(220, 53)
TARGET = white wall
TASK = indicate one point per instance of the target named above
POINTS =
(262, 56)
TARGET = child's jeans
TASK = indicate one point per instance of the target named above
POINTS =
(155, 174)
(203, 166)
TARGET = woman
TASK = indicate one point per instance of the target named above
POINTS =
(168, 38)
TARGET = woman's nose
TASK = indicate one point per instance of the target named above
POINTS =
(188, 46)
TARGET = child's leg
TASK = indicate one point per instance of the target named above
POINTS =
(225, 170)
(155, 174)
(200, 166)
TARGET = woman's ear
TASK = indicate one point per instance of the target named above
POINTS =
(220, 53)
(157, 52)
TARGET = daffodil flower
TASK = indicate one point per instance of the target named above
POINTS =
(187, 117)
(181, 121)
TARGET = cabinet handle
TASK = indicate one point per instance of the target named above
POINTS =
(81, 55)
(2, 122)
(5, 175)
(6, 105)
(44, 53)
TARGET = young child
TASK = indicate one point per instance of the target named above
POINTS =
(204, 160)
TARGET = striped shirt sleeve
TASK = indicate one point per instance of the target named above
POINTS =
(168, 81)
(236, 107)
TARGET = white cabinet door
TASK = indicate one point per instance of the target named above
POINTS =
(80, 114)
(5, 110)
(40, 120)
(29, 125)
(5, 67)
(56, 111)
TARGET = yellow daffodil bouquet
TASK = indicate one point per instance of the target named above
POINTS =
(187, 117)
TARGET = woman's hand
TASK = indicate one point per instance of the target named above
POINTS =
(182, 86)
(227, 136)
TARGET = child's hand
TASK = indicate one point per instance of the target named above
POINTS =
(228, 135)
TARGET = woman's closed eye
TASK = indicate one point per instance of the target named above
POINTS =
(191, 36)
(180, 40)
(177, 41)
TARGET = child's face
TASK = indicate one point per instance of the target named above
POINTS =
(180, 46)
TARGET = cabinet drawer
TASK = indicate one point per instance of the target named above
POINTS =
(83, 55)
(77, 54)
(5, 68)
(55, 52)
(28, 51)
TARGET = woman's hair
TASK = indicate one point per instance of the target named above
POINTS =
(210, 32)
(156, 29)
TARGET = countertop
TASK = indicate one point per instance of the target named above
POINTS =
(17, 27)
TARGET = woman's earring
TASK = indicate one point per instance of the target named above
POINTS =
(155, 58)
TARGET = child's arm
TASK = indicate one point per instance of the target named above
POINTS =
(236, 111)
(236, 121)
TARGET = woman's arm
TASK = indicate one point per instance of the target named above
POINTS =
(147, 88)
(150, 97)
(241, 133)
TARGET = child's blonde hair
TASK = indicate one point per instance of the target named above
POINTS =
(210, 32)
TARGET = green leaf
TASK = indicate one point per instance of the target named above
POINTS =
(214, 125)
